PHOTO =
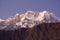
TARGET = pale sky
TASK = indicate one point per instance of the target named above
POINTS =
(9, 8)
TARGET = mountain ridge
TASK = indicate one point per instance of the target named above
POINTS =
(28, 20)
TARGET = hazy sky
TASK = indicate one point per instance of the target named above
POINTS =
(9, 8)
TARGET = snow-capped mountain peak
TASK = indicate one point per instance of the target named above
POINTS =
(1, 20)
(17, 14)
(28, 20)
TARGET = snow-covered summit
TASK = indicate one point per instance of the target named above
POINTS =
(1, 20)
(28, 20)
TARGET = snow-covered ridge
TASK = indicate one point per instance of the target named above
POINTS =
(27, 20)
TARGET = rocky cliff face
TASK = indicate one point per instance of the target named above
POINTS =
(44, 31)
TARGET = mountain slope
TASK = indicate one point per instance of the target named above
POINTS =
(44, 31)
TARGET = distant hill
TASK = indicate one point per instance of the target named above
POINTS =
(44, 31)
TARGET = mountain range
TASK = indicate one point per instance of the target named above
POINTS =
(30, 26)
(27, 20)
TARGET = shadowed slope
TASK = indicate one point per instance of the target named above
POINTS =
(44, 31)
